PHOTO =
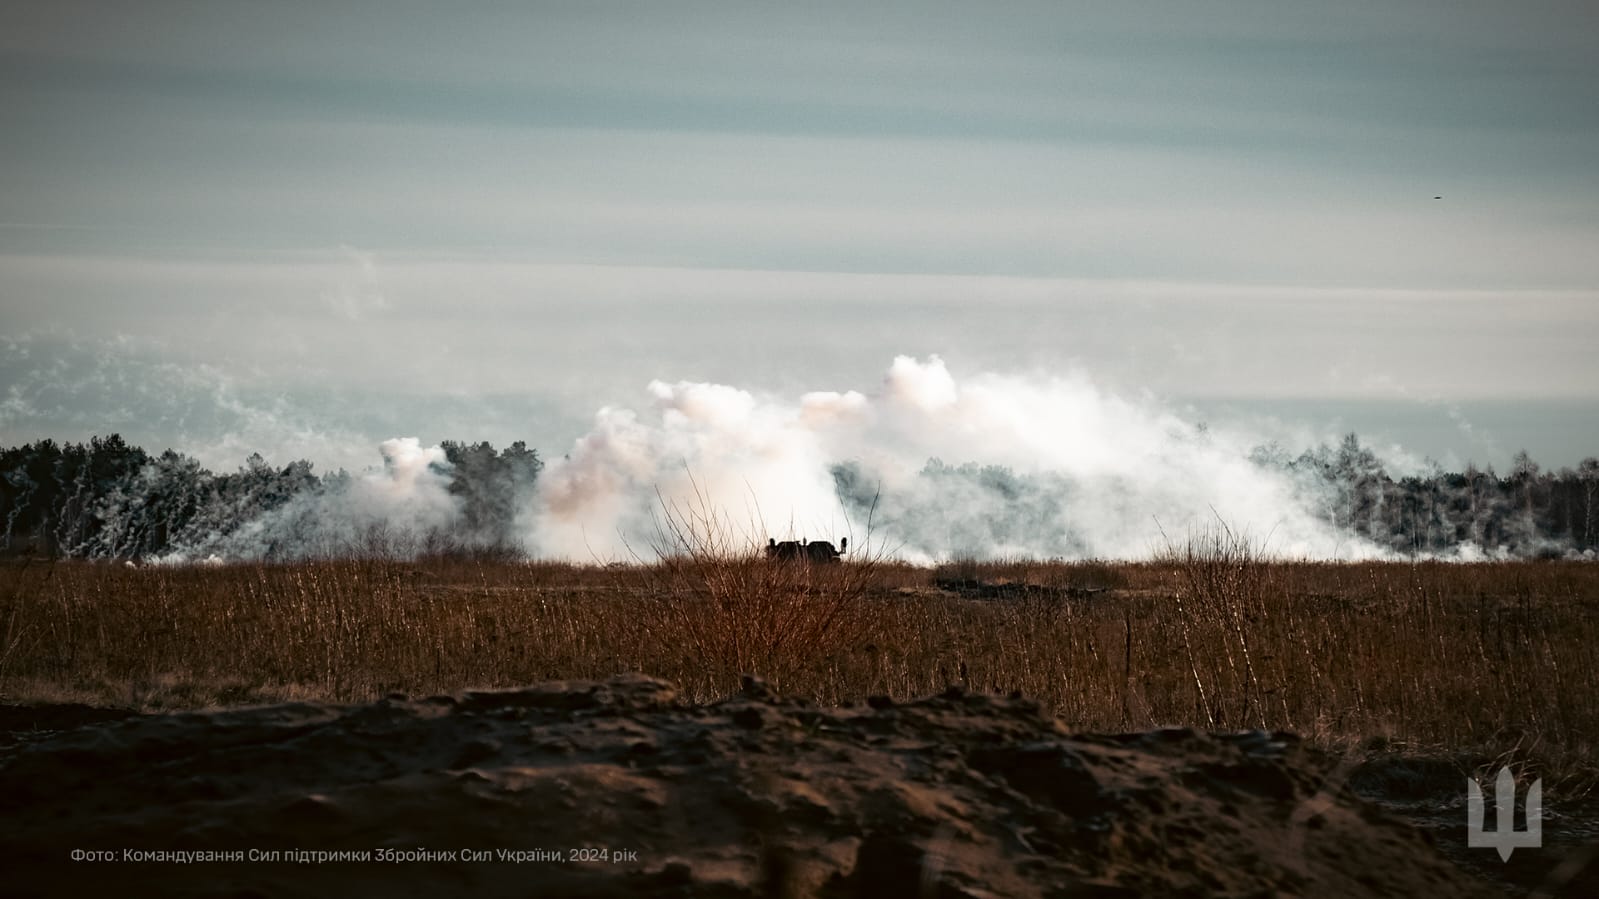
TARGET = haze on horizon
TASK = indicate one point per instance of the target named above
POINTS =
(304, 228)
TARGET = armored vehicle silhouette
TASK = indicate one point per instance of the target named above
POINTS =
(803, 551)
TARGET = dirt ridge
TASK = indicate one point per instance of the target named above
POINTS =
(956, 795)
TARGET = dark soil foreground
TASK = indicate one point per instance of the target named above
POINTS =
(613, 789)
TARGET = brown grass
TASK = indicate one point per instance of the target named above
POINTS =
(1493, 659)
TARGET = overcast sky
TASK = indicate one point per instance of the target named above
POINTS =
(302, 228)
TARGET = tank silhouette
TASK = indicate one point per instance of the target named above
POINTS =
(802, 551)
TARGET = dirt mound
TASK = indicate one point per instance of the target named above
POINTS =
(613, 789)
(25, 722)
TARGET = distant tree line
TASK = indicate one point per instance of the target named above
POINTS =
(109, 499)
(1527, 513)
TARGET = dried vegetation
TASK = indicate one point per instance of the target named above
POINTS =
(1490, 660)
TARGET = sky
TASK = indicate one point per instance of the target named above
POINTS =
(304, 228)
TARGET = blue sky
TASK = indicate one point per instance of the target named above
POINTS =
(336, 222)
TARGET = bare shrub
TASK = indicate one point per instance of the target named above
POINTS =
(1221, 602)
(712, 593)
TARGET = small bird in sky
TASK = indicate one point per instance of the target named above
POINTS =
(1437, 198)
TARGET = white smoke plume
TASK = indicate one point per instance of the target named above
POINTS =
(411, 492)
(391, 511)
(1081, 473)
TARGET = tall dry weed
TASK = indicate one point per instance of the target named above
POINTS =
(1494, 657)
(712, 592)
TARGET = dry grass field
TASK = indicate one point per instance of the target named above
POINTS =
(1484, 662)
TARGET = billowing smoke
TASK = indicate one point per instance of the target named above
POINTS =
(107, 499)
(1041, 467)
(924, 465)
(393, 510)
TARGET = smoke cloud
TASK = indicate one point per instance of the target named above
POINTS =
(1039, 466)
(926, 465)
(394, 510)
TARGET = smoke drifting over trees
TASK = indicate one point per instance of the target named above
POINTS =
(1037, 467)
(1475, 514)
(105, 499)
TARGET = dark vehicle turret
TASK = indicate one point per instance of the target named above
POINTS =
(801, 551)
